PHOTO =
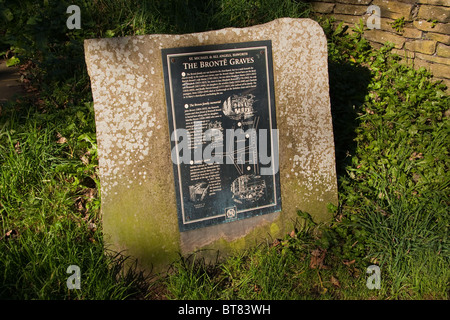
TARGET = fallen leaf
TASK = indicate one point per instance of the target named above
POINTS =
(317, 257)
(335, 282)
(10, 234)
(61, 139)
(416, 155)
(348, 263)
(17, 148)
(275, 243)
(85, 160)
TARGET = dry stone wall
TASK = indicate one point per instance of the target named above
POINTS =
(423, 39)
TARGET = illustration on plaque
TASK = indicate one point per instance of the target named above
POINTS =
(239, 107)
(198, 191)
(249, 188)
(244, 151)
(214, 132)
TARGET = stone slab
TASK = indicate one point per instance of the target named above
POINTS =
(441, 14)
(433, 58)
(322, 7)
(384, 36)
(442, 38)
(139, 208)
(427, 26)
(421, 46)
(350, 9)
(438, 70)
(394, 9)
(444, 3)
(443, 50)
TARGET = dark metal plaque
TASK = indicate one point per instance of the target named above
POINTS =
(224, 142)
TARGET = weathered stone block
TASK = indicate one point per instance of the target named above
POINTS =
(139, 207)
(351, 20)
(407, 32)
(441, 14)
(408, 55)
(418, 63)
(323, 7)
(360, 2)
(350, 9)
(438, 70)
(433, 58)
(383, 37)
(412, 33)
(435, 2)
(443, 50)
(431, 27)
(394, 9)
(438, 37)
(422, 46)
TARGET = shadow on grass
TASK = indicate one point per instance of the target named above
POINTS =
(348, 88)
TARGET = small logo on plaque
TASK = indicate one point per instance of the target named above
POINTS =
(230, 213)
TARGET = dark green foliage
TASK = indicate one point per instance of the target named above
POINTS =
(391, 138)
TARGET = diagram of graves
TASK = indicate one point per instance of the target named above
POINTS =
(247, 188)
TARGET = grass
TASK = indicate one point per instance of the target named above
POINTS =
(270, 272)
(49, 217)
(391, 134)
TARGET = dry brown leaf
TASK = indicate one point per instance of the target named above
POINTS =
(61, 139)
(335, 282)
(84, 160)
(416, 155)
(10, 234)
(275, 243)
(348, 262)
(17, 148)
(317, 257)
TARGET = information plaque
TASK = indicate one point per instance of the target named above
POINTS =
(224, 140)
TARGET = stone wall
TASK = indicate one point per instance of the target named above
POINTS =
(424, 38)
